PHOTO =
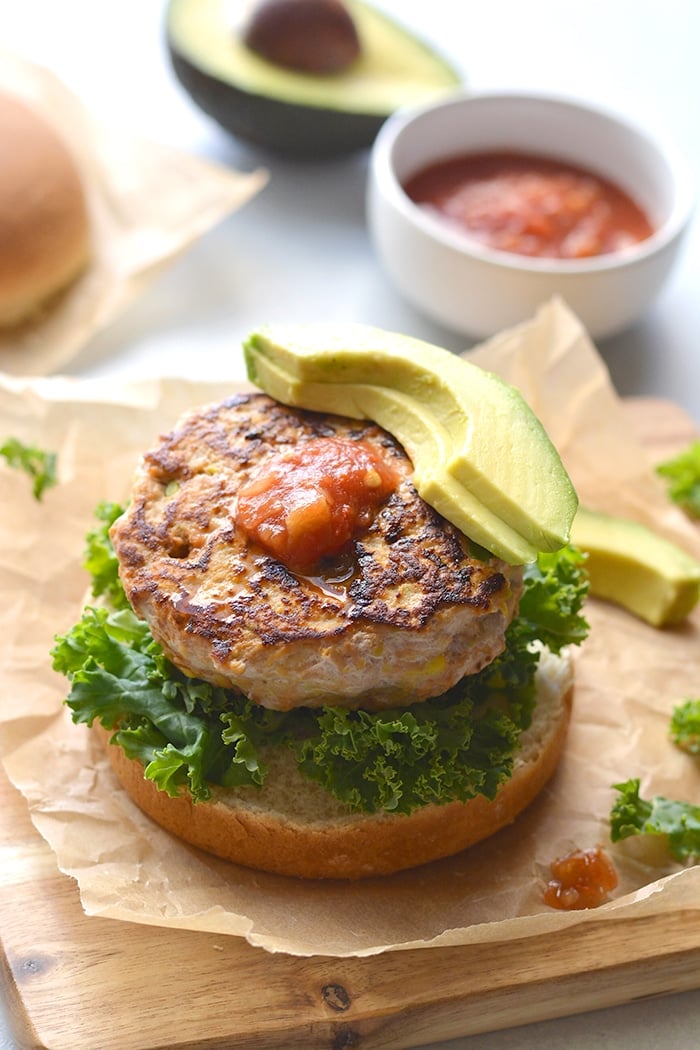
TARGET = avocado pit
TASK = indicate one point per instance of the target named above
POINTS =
(309, 36)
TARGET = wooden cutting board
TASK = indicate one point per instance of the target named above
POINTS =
(73, 981)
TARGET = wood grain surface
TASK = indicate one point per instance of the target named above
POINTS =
(77, 982)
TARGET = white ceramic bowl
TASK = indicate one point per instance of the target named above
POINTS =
(478, 291)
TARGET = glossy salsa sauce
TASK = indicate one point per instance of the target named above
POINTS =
(309, 503)
(530, 205)
(580, 879)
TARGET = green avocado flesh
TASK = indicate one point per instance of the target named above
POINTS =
(301, 112)
(480, 456)
(425, 440)
(634, 567)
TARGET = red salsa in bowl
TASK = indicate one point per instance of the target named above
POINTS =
(530, 205)
(483, 207)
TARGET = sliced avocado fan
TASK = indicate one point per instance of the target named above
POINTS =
(480, 455)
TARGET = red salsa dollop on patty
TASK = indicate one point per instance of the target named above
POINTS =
(309, 503)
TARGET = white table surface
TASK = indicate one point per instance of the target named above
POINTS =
(300, 250)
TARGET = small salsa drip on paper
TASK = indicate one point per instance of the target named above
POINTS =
(580, 879)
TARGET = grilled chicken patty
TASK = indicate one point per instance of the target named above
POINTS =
(400, 616)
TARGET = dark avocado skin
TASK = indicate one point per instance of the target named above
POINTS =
(303, 131)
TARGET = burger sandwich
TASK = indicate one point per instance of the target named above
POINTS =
(330, 633)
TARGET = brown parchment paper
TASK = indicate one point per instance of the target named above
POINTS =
(629, 676)
(148, 203)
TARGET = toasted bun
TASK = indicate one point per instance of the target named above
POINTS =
(44, 226)
(292, 827)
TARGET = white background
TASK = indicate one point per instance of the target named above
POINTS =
(300, 250)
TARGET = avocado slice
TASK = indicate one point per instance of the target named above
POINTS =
(297, 113)
(425, 440)
(514, 504)
(632, 566)
(474, 405)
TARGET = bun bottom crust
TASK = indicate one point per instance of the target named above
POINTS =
(289, 827)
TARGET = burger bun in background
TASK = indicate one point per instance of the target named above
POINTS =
(44, 221)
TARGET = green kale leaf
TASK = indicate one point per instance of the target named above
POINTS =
(682, 475)
(397, 760)
(190, 734)
(36, 462)
(678, 821)
(685, 726)
(172, 723)
(101, 561)
(555, 590)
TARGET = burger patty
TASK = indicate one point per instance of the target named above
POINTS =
(401, 616)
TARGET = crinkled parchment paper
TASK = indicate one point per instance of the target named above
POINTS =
(629, 676)
(148, 203)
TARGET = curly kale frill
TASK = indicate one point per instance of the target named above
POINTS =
(188, 733)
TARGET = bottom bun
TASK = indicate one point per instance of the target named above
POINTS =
(291, 826)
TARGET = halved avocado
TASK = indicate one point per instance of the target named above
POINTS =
(299, 113)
